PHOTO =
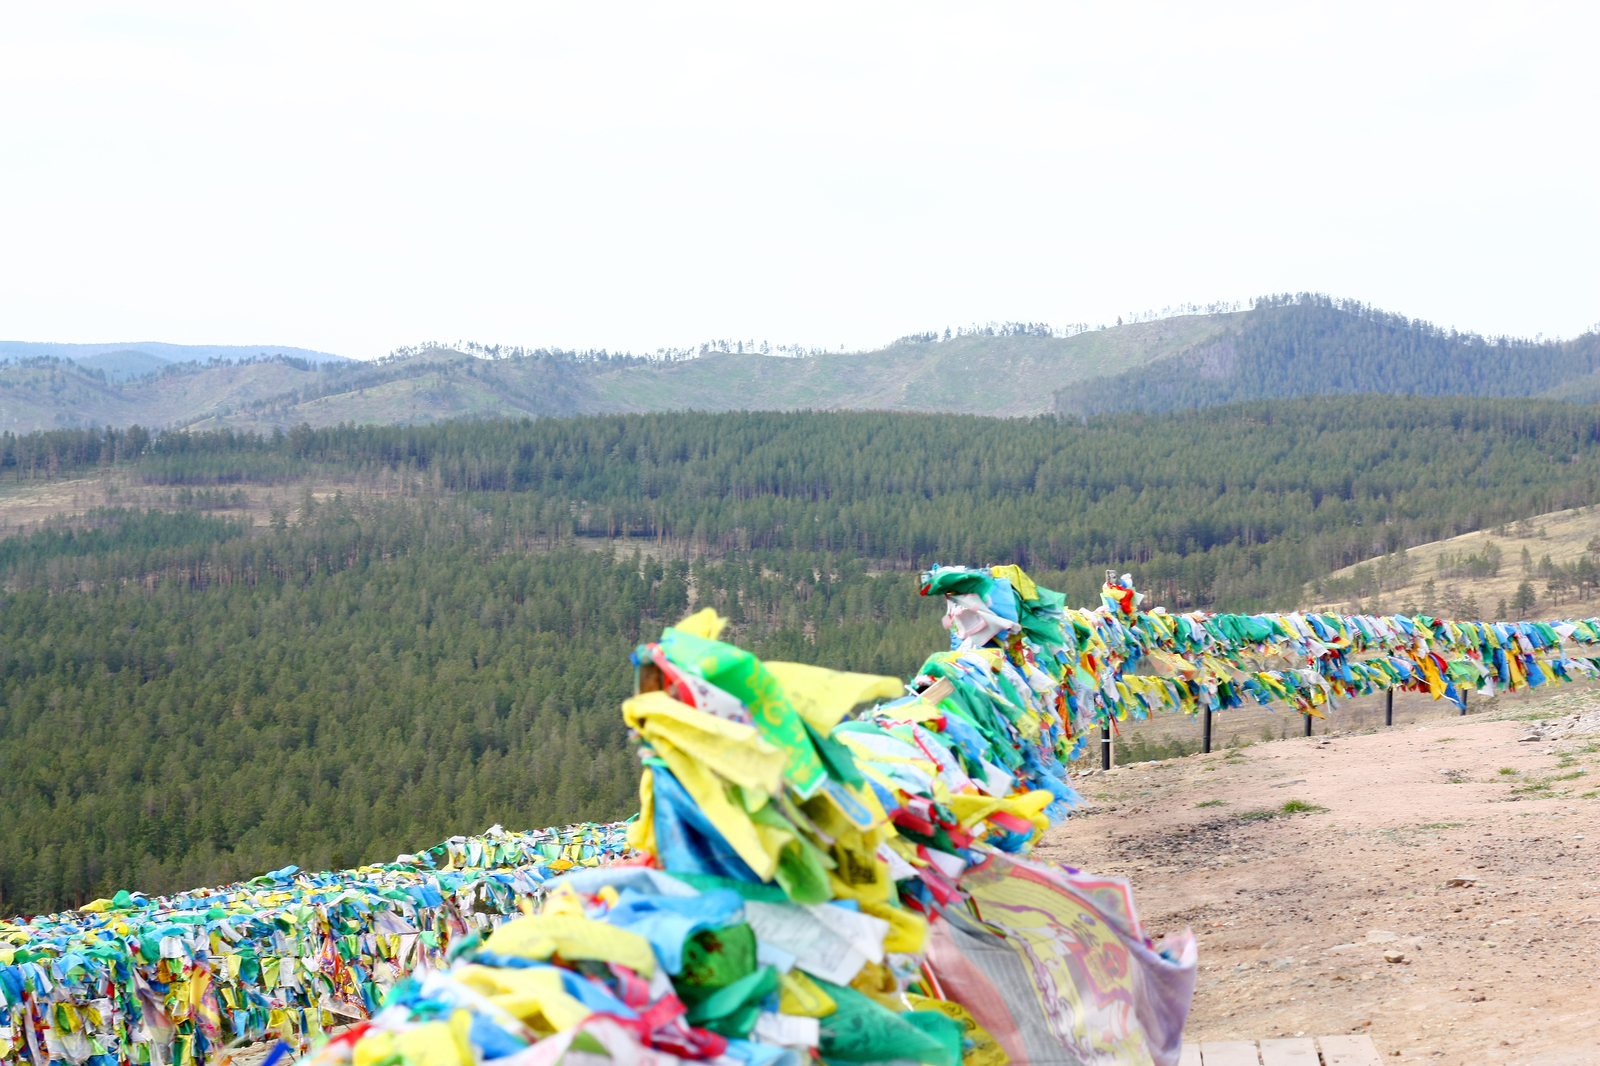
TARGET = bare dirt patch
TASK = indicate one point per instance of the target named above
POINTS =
(30, 505)
(1434, 885)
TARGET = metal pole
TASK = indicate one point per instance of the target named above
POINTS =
(1388, 707)
(1105, 746)
(1464, 694)
(1308, 725)
(1206, 711)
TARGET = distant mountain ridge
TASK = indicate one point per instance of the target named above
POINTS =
(123, 360)
(1007, 374)
(1282, 347)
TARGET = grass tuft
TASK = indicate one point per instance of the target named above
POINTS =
(1213, 803)
(1290, 808)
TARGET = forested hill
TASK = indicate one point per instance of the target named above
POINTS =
(1312, 345)
(428, 629)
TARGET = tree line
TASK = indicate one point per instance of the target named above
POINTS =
(1237, 505)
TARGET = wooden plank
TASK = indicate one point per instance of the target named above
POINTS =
(1348, 1051)
(1299, 1051)
(1190, 1055)
(1229, 1053)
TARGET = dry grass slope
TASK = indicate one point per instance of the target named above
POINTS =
(1387, 584)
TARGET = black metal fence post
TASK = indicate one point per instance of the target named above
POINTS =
(1388, 706)
(1308, 725)
(1206, 741)
(1105, 746)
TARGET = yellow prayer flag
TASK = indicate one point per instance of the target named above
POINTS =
(823, 697)
(539, 936)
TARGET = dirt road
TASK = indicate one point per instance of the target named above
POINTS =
(1436, 886)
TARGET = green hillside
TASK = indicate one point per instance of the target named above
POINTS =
(1005, 375)
(1312, 345)
(191, 697)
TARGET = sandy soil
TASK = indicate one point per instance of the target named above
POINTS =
(1165, 736)
(1468, 852)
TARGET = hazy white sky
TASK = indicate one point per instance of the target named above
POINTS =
(353, 178)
